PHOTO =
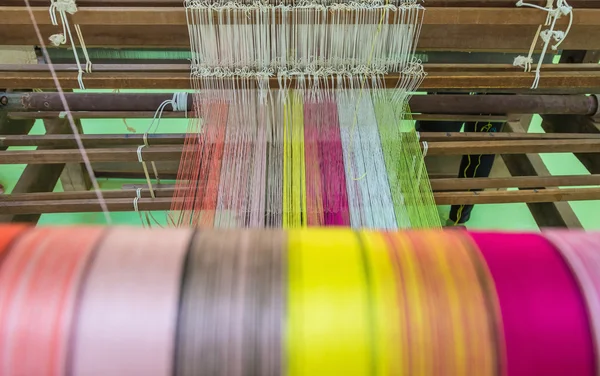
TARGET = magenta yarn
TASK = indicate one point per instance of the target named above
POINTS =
(546, 326)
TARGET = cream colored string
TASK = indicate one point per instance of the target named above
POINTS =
(81, 148)
(63, 7)
(179, 103)
(562, 9)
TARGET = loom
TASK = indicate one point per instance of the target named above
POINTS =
(465, 46)
(301, 127)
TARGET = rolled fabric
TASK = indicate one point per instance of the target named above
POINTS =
(39, 285)
(581, 250)
(8, 234)
(232, 305)
(126, 322)
(546, 327)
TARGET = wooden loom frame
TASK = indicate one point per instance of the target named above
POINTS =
(449, 25)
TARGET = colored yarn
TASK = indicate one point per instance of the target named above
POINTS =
(311, 154)
(126, 319)
(231, 305)
(9, 233)
(39, 285)
(546, 327)
(84, 301)
(581, 253)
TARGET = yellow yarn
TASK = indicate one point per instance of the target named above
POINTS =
(294, 173)
(328, 305)
(384, 290)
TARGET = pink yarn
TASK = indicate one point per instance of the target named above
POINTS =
(546, 327)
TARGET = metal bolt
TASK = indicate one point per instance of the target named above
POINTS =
(4, 100)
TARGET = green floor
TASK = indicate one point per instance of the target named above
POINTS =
(496, 216)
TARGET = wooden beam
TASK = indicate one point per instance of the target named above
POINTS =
(183, 115)
(176, 16)
(571, 81)
(583, 124)
(457, 28)
(66, 141)
(133, 170)
(430, 3)
(526, 196)
(172, 152)
(514, 182)
(557, 214)
(438, 185)
(513, 147)
(28, 207)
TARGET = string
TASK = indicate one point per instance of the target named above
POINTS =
(273, 171)
(74, 129)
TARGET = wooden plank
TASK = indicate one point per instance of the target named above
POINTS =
(183, 115)
(185, 68)
(513, 147)
(469, 38)
(430, 3)
(458, 29)
(438, 185)
(111, 140)
(514, 182)
(133, 170)
(28, 207)
(172, 152)
(583, 124)
(558, 214)
(175, 16)
(516, 81)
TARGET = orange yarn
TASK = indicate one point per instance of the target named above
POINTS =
(8, 234)
(38, 286)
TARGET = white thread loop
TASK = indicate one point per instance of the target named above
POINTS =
(88, 62)
(62, 7)
(139, 153)
(553, 14)
(57, 39)
(138, 195)
(425, 148)
(179, 102)
(523, 62)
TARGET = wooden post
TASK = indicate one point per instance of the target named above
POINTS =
(554, 214)
(38, 178)
(577, 124)
(74, 176)
(10, 126)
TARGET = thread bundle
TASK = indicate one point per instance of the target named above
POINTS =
(322, 158)
(113, 301)
(308, 153)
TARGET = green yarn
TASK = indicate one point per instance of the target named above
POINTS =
(412, 196)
